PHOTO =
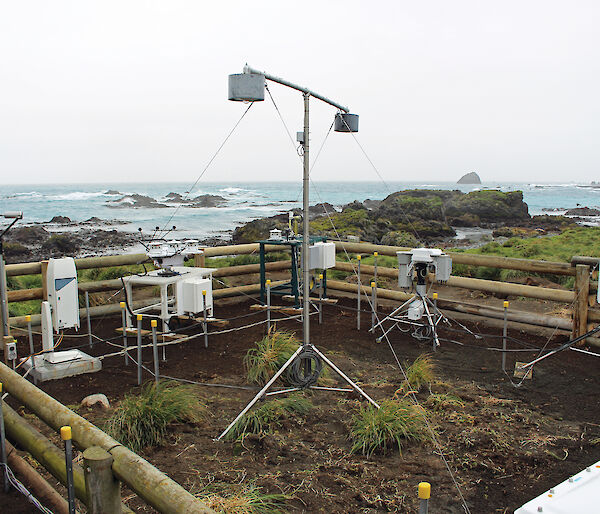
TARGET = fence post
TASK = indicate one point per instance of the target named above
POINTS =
(200, 260)
(65, 435)
(580, 307)
(103, 490)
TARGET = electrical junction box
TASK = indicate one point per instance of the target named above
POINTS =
(11, 351)
(415, 310)
(190, 299)
(63, 296)
(405, 273)
(321, 255)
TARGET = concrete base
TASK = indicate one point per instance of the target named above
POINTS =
(68, 363)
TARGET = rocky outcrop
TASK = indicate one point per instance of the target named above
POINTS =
(582, 211)
(135, 201)
(469, 178)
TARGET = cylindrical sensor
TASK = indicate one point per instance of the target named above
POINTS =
(247, 87)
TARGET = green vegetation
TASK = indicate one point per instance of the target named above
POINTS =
(142, 420)
(443, 401)
(419, 373)
(241, 499)
(97, 274)
(394, 424)
(271, 352)
(240, 260)
(268, 417)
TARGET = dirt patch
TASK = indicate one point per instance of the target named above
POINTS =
(503, 444)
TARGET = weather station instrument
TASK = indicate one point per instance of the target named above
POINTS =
(420, 263)
(249, 86)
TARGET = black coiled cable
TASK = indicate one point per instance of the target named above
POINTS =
(297, 376)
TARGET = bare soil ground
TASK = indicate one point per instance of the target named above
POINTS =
(504, 444)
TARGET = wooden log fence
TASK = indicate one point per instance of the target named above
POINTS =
(579, 299)
(153, 486)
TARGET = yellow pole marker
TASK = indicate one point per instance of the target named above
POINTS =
(268, 282)
(153, 323)
(139, 317)
(28, 318)
(375, 254)
(424, 490)
(358, 257)
(435, 296)
(122, 304)
(0, 387)
(373, 284)
(65, 433)
(320, 276)
(506, 305)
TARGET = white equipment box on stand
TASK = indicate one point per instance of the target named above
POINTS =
(580, 494)
(59, 312)
(187, 284)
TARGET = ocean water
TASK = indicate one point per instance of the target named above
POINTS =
(245, 201)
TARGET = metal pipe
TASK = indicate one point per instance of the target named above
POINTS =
(89, 319)
(124, 322)
(268, 306)
(204, 323)
(358, 294)
(302, 89)
(504, 333)
(153, 324)
(373, 300)
(139, 349)
(31, 348)
(3, 296)
(65, 435)
(305, 226)
(3, 443)
(320, 298)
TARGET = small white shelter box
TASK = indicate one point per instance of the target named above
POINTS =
(190, 299)
(579, 494)
(63, 297)
(322, 255)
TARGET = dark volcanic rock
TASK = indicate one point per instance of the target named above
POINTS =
(582, 211)
(62, 220)
(112, 192)
(469, 178)
(28, 235)
(320, 209)
(258, 229)
(208, 201)
(135, 201)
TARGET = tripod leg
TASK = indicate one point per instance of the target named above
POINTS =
(391, 314)
(261, 393)
(436, 342)
(345, 378)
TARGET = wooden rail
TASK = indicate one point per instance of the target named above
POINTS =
(154, 487)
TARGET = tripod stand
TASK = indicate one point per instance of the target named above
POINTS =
(415, 307)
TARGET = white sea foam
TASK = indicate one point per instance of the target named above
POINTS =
(75, 196)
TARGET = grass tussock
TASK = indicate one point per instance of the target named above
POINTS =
(443, 401)
(271, 352)
(392, 426)
(242, 499)
(419, 373)
(268, 417)
(141, 421)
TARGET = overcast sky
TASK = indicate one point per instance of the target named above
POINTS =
(100, 91)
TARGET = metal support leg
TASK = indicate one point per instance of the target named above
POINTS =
(373, 303)
(89, 319)
(31, 348)
(268, 306)
(320, 299)
(3, 296)
(124, 321)
(504, 334)
(358, 294)
(139, 349)
(65, 434)
(345, 378)
(3, 444)
(436, 342)
(155, 352)
(262, 392)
